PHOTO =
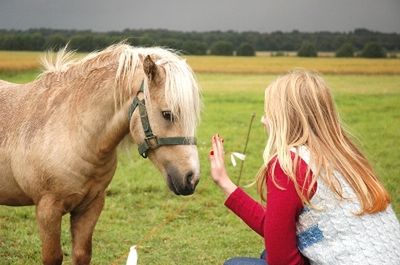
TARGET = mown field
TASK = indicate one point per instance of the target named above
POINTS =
(204, 231)
(22, 61)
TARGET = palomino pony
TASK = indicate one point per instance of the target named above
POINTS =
(59, 134)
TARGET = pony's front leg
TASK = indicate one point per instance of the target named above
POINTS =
(82, 226)
(48, 216)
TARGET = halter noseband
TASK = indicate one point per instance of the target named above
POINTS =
(151, 141)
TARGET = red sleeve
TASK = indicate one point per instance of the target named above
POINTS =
(250, 211)
(278, 221)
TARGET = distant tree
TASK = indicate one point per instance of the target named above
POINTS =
(146, 41)
(86, 40)
(194, 47)
(362, 31)
(245, 50)
(34, 41)
(9, 42)
(101, 41)
(307, 49)
(22, 42)
(82, 42)
(55, 42)
(346, 50)
(171, 43)
(373, 50)
(222, 48)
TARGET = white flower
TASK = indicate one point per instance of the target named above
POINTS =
(238, 156)
(132, 257)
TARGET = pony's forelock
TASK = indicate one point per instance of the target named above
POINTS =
(182, 92)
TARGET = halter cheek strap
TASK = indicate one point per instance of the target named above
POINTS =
(151, 141)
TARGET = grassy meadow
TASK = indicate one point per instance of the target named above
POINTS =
(198, 229)
(264, 64)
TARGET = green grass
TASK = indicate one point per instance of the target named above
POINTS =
(205, 232)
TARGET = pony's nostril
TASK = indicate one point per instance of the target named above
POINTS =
(192, 180)
(189, 177)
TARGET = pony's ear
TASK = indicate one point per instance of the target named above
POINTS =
(150, 68)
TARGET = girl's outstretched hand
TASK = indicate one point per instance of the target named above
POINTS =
(217, 165)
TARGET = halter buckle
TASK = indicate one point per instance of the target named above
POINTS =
(152, 142)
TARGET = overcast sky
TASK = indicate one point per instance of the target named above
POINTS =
(202, 15)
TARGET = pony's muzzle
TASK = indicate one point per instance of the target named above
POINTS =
(182, 184)
(190, 182)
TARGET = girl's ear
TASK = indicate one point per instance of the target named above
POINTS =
(150, 68)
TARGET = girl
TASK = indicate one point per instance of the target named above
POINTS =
(324, 203)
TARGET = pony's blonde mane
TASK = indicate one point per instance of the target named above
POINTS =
(59, 62)
(182, 92)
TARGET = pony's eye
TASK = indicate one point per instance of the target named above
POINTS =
(167, 115)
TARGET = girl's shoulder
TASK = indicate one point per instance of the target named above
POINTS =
(303, 174)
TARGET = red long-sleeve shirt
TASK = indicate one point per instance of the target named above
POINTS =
(277, 222)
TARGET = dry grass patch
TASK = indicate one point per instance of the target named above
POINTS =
(14, 61)
(275, 65)
(19, 61)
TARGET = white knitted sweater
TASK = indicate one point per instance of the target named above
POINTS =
(333, 234)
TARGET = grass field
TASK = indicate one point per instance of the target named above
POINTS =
(205, 232)
(19, 61)
(23, 61)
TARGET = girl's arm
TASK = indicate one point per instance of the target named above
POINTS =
(277, 223)
(238, 201)
(249, 210)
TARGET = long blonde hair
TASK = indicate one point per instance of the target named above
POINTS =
(300, 111)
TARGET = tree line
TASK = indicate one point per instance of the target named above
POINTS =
(201, 43)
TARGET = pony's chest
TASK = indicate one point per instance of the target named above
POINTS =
(72, 178)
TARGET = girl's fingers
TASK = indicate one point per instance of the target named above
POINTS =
(214, 146)
(220, 146)
(211, 158)
(211, 155)
(218, 149)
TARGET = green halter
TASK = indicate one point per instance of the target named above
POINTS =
(151, 141)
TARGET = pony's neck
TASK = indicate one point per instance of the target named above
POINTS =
(103, 114)
(114, 131)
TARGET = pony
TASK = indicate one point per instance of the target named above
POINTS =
(59, 135)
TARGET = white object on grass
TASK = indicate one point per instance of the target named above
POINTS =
(238, 156)
(132, 257)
